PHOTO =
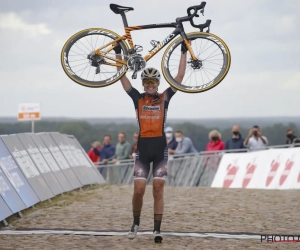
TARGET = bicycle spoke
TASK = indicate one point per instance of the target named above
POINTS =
(212, 56)
(212, 53)
(88, 73)
(77, 54)
(89, 43)
(80, 70)
(84, 46)
(82, 55)
(73, 66)
(209, 72)
(188, 77)
(77, 60)
(197, 47)
(208, 48)
(216, 63)
(195, 78)
(202, 76)
(96, 43)
(206, 75)
(204, 46)
(80, 49)
(103, 72)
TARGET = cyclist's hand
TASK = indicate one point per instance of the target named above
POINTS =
(184, 48)
(117, 48)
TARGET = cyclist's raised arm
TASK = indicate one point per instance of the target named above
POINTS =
(182, 64)
(124, 80)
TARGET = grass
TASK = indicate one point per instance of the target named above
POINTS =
(64, 200)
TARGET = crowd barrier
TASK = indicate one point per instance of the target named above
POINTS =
(222, 169)
(38, 167)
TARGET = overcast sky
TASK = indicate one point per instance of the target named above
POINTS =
(262, 35)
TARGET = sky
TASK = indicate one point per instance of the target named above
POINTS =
(262, 35)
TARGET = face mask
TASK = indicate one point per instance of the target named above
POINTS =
(178, 139)
(255, 133)
(290, 136)
(235, 132)
(215, 138)
(169, 135)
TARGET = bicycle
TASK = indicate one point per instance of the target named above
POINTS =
(82, 49)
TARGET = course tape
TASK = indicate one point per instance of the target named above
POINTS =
(229, 235)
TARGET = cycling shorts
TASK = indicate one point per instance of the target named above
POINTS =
(152, 149)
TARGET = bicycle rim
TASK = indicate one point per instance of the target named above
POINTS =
(78, 67)
(215, 63)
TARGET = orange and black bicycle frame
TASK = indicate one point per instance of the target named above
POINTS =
(179, 30)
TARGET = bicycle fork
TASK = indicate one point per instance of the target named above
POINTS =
(195, 62)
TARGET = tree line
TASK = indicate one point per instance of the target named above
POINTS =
(87, 133)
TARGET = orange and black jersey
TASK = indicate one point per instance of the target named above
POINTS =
(151, 111)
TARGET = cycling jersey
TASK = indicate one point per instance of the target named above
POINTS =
(151, 111)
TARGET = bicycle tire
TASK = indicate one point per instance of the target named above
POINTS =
(83, 33)
(194, 35)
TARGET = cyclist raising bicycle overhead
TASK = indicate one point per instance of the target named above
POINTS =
(151, 112)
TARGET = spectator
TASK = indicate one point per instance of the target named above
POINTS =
(123, 149)
(107, 151)
(255, 139)
(184, 146)
(94, 158)
(171, 141)
(215, 142)
(236, 141)
(291, 138)
(134, 147)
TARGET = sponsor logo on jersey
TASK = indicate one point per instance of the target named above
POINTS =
(151, 108)
(155, 117)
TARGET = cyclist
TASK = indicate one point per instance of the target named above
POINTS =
(151, 112)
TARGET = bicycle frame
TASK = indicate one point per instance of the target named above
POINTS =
(178, 30)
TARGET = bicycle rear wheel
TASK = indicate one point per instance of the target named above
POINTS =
(214, 63)
(79, 68)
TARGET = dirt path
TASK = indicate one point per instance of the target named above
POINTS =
(186, 209)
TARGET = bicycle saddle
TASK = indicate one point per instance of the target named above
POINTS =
(118, 9)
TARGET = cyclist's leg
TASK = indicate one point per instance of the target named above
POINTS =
(160, 171)
(141, 172)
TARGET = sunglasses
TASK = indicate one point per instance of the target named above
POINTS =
(150, 81)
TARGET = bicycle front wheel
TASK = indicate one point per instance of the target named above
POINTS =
(213, 57)
(99, 72)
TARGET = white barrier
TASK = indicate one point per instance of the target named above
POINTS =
(267, 169)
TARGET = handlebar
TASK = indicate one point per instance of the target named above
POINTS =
(195, 14)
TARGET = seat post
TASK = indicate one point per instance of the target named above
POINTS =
(124, 19)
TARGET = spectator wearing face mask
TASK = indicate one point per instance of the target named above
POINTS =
(236, 141)
(255, 139)
(215, 143)
(291, 138)
(184, 146)
(171, 141)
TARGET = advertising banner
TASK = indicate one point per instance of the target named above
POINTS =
(40, 163)
(4, 209)
(15, 188)
(267, 169)
(80, 171)
(57, 171)
(28, 168)
(86, 156)
(79, 155)
(60, 160)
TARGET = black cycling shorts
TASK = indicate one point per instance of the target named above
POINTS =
(152, 149)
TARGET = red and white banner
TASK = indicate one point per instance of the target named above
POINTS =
(267, 169)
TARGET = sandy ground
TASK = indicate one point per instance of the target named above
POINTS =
(186, 209)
